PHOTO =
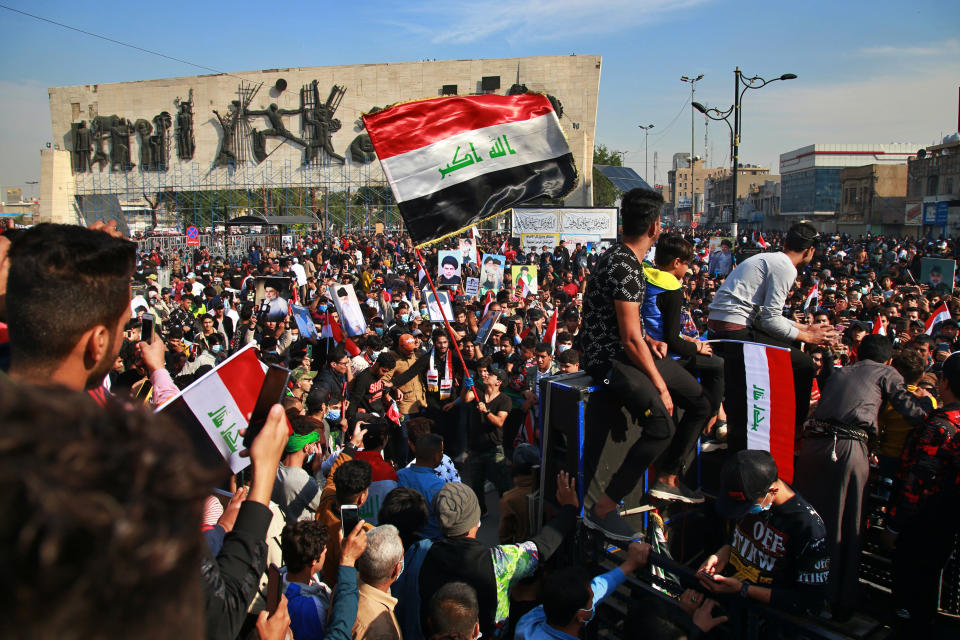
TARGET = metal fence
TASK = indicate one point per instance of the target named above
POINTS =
(227, 246)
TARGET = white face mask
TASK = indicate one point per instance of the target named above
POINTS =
(562, 347)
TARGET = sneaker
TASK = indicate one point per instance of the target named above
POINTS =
(612, 526)
(664, 491)
(712, 445)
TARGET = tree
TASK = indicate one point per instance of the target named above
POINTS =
(604, 193)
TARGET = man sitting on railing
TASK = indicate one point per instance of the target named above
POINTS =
(778, 554)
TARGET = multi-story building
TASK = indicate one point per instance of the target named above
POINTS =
(810, 177)
(683, 192)
(762, 204)
(872, 199)
(719, 190)
(933, 188)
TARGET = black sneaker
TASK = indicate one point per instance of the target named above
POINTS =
(664, 491)
(612, 526)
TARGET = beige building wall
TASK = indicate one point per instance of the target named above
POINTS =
(574, 80)
(57, 188)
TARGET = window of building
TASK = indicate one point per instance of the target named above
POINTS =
(948, 185)
(932, 185)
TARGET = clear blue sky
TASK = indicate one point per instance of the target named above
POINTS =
(869, 71)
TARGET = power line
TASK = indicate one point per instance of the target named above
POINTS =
(683, 107)
(122, 44)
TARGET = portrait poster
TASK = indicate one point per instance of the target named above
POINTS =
(275, 291)
(448, 268)
(486, 325)
(304, 322)
(525, 273)
(939, 273)
(472, 287)
(348, 308)
(491, 273)
(468, 252)
(434, 303)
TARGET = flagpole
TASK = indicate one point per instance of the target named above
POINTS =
(443, 314)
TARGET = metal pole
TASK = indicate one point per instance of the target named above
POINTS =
(646, 164)
(736, 137)
(693, 162)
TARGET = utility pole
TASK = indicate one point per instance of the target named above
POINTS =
(693, 162)
(646, 166)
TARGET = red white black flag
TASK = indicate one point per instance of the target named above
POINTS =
(455, 160)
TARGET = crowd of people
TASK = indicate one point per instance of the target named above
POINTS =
(368, 485)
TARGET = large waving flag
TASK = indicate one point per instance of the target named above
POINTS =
(455, 160)
(939, 314)
(332, 329)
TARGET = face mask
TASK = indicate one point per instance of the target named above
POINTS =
(593, 612)
(322, 307)
(378, 331)
(404, 318)
(216, 348)
(333, 414)
(562, 347)
(394, 304)
(760, 508)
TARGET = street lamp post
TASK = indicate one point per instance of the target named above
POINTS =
(646, 168)
(693, 184)
(754, 82)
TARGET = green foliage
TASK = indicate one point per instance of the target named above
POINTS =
(604, 193)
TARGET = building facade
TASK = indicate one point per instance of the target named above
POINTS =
(933, 189)
(719, 191)
(281, 140)
(683, 192)
(872, 199)
(810, 177)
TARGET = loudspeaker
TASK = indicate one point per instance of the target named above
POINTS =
(490, 83)
(579, 418)
(280, 85)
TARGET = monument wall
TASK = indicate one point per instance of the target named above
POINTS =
(297, 127)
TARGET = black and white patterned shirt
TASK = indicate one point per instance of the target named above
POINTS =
(618, 276)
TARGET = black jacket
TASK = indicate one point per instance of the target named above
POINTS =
(231, 580)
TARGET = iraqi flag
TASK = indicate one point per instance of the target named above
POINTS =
(939, 314)
(550, 335)
(813, 295)
(455, 160)
(761, 241)
(475, 236)
(332, 329)
(214, 408)
(878, 328)
(770, 402)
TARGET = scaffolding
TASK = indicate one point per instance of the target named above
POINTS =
(345, 197)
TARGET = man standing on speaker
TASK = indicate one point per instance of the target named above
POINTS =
(617, 355)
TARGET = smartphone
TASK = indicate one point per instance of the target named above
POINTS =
(146, 327)
(310, 351)
(271, 393)
(349, 518)
(274, 581)
(223, 494)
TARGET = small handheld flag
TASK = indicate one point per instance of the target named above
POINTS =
(939, 314)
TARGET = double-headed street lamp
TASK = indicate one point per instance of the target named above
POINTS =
(693, 160)
(646, 131)
(754, 82)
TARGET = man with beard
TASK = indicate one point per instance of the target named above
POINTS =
(68, 299)
(440, 375)
(749, 307)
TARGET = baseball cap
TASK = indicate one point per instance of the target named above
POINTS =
(498, 327)
(744, 479)
(300, 373)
